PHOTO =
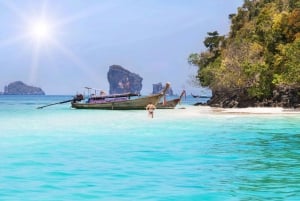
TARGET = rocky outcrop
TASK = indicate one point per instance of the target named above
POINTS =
(286, 97)
(19, 88)
(157, 88)
(231, 99)
(123, 81)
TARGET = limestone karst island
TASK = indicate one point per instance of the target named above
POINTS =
(258, 62)
(19, 88)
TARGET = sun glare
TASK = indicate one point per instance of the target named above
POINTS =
(40, 30)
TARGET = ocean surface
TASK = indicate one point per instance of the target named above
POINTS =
(189, 153)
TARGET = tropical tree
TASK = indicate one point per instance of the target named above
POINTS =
(260, 53)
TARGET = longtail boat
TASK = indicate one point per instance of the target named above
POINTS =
(119, 101)
(171, 104)
(197, 96)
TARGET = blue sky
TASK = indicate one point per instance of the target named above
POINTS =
(80, 39)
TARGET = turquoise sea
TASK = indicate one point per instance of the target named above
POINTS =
(58, 153)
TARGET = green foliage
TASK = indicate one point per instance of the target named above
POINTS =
(213, 41)
(261, 51)
(288, 64)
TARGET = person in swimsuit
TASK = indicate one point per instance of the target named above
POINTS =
(150, 107)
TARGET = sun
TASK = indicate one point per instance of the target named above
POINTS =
(40, 30)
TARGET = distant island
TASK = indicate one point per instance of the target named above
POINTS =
(122, 80)
(257, 62)
(157, 88)
(19, 88)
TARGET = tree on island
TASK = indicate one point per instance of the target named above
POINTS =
(258, 60)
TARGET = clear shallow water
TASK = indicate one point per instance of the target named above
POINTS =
(59, 153)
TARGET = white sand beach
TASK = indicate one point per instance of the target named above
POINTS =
(207, 110)
(260, 110)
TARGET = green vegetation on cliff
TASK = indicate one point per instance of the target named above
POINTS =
(261, 52)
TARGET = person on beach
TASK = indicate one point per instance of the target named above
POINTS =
(150, 107)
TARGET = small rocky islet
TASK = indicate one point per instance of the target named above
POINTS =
(20, 88)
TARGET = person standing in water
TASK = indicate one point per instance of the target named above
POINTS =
(150, 107)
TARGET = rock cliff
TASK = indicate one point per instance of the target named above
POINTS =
(19, 88)
(285, 96)
(158, 87)
(123, 81)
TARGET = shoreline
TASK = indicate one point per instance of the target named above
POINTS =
(248, 110)
(254, 110)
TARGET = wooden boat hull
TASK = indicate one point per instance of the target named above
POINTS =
(131, 104)
(171, 104)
